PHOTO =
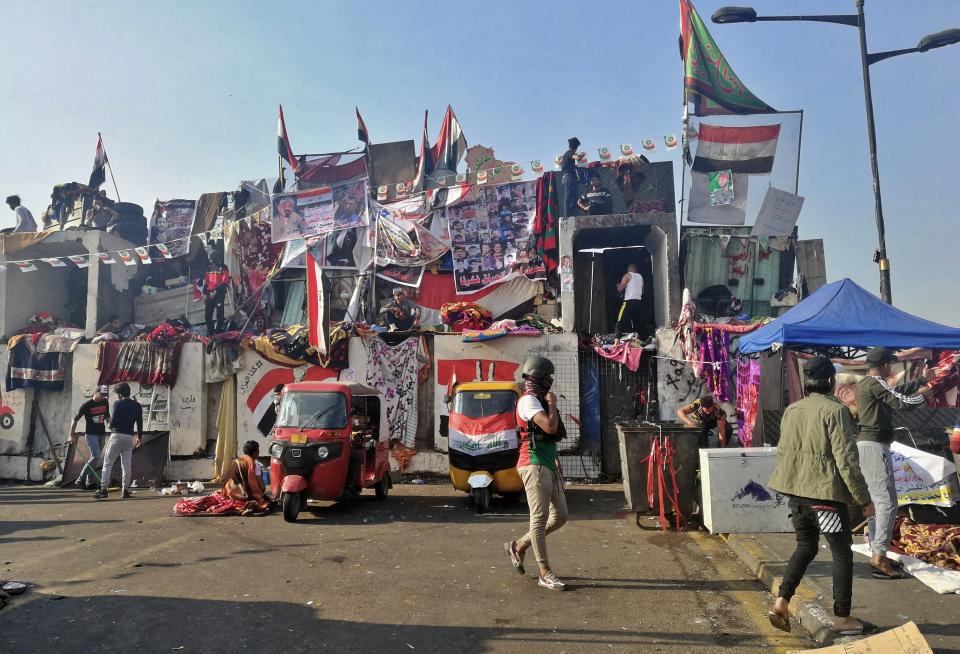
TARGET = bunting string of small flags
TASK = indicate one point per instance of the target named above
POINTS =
(129, 256)
(517, 171)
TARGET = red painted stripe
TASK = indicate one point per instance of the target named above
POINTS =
(266, 384)
(721, 134)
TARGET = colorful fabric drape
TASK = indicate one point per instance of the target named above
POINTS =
(623, 353)
(138, 361)
(226, 429)
(392, 369)
(545, 224)
(255, 252)
(935, 544)
(748, 393)
(464, 315)
(714, 355)
(28, 368)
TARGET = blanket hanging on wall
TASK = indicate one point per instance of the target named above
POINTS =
(138, 361)
(393, 371)
(28, 368)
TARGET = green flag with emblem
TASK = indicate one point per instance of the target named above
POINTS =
(708, 80)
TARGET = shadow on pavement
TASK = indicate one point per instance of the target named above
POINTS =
(14, 526)
(164, 624)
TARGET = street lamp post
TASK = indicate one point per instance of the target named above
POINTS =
(929, 42)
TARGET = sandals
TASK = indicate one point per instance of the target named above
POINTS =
(779, 620)
(865, 629)
(879, 573)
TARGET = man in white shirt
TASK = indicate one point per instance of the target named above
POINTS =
(25, 221)
(631, 285)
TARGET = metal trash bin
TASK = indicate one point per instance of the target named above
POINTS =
(635, 440)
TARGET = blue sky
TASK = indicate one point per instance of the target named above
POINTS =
(185, 94)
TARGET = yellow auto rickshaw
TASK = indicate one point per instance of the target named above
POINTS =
(483, 444)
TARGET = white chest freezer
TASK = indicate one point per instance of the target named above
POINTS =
(736, 499)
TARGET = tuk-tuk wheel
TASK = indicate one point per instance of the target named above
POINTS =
(481, 499)
(291, 506)
(6, 421)
(382, 488)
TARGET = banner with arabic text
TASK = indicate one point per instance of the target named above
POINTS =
(492, 236)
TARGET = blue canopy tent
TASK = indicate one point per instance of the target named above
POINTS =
(844, 315)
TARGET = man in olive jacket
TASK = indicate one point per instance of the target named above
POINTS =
(818, 469)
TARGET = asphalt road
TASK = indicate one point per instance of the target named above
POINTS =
(417, 573)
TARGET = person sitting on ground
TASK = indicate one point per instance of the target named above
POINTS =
(818, 469)
(401, 314)
(244, 481)
(706, 414)
(24, 219)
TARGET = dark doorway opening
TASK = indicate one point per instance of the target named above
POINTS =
(600, 260)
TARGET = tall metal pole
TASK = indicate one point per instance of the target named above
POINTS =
(883, 262)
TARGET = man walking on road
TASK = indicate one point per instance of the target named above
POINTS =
(95, 413)
(876, 402)
(538, 423)
(126, 416)
(818, 470)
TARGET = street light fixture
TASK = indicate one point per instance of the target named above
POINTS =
(726, 15)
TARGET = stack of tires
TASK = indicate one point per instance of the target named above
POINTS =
(131, 224)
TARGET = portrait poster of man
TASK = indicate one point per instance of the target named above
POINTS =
(317, 211)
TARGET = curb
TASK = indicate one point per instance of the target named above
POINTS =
(807, 605)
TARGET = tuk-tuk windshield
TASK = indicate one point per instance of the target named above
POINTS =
(481, 404)
(325, 410)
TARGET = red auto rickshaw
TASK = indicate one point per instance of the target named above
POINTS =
(331, 441)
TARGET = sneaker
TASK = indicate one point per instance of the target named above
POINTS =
(100, 494)
(515, 559)
(125, 495)
(552, 582)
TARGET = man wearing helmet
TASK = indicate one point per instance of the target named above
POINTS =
(538, 423)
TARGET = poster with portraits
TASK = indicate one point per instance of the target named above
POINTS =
(492, 236)
(317, 211)
(344, 248)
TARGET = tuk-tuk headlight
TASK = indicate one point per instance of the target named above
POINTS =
(323, 452)
(276, 450)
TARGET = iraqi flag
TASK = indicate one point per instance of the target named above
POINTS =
(318, 306)
(478, 437)
(283, 144)
(362, 133)
(748, 150)
(425, 165)
(451, 145)
(99, 174)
